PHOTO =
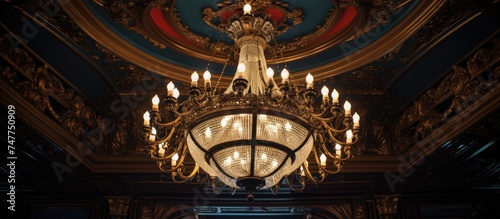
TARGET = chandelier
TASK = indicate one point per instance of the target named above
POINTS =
(256, 134)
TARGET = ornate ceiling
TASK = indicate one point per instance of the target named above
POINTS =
(425, 73)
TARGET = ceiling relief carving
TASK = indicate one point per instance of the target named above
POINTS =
(147, 17)
(38, 83)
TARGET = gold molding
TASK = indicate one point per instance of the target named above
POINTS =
(397, 35)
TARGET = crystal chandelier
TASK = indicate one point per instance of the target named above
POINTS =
(256, 134)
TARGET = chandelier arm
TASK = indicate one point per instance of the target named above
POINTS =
(275, 189)
(324, 148)
(302, 182)
(320, 115)
(309, 175)
(180, 172)
(163, 140)
(330, 128)
(179, 162)
(181, 114)
(171, 123)
(324, 170)
(216, 185)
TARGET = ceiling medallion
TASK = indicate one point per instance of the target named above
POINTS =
(256, 134)
(277, 11)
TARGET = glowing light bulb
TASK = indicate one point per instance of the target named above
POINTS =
(208, 133)
(270, 73)
(335, 96)
(223, 122)
(322, 159)
(325, 91)
(155, 101)
(284, 75)
(355, 119)
(309, 80)
(348, 136)
(347, 107)
(170, 88)
(194, 79)
(175, 158)
(338, 150)
(236, 154)
(263, 157)
(161, 150)
(207, 76)
(146, 118)
(152, 137)
(176, 93)
(274, 163)
(241, 67)
(247, 9)
(288, 126)
(228, 161)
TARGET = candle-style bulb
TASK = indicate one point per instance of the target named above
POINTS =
(355, 119)
(207, 75)
(146, 118)
(175, 158)
(348, 136)
(347, 108)
(176, 93)
(325, 91)
(335, 96)
(269, 73)
(309, 78)
(195, 76)
(284, 75)
(155, 101)
(241, 67)
(322, 159)
(247, 9)
(170, 86)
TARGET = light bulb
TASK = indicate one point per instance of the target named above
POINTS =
(155, 101)
(335, 96)
(274, 163)
(348, 135)
(146, 118)
(338, 152)
(284, 75)
(338, 146)
(309, 78)
(152, 137)
(170, 86)
(247, 9)
(195, 76)
(263, 157)
(161, 150)
(207, 76)
(176, 93)
(355, 119)
(241, 67)
(322, 158)
(269, 73)
(208, 133)
(347, 107)
(175, 158)
(325, 91)
(288, 127)
(236, 154)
